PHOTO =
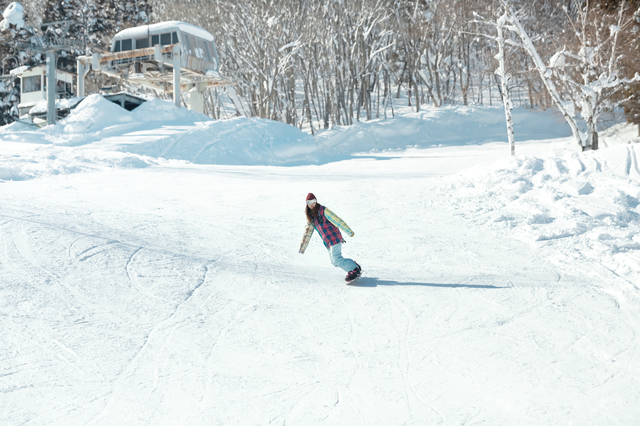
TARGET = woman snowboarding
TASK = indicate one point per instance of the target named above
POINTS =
(327, 223)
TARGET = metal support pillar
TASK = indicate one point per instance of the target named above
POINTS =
(80, 66)
(51, 87)
(196, 97)
(95, 62)
(176, 75)
(196, 101)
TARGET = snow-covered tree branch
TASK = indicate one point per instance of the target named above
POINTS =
(586, 72)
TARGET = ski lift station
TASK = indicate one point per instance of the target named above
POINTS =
(33, 91)
(199, 53)
(168, 57)
(33, 85)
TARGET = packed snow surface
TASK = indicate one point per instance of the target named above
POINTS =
(149, 271)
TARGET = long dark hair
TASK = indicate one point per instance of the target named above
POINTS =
(312, 213)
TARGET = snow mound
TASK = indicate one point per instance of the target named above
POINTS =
(621, 133)
(158, 130)
(17, 126)
(96, 118)
(445, 126)
(95, 111)
(193, 137)
(158, 110)
(86, 123)
(586, 202)
(239, 141)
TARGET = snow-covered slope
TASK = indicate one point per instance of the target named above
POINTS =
(584, 205)
(140, 286)
(159, 130)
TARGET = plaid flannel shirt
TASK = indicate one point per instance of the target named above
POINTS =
(327, 226)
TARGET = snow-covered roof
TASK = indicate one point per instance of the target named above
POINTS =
(163, 27)
(18, 71)
(40, 107)
(23, 69)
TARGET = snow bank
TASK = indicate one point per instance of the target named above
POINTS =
(621, 133)
(157, 110)
(239, 141)
(93, 113)
(64, 160)
(257, 141)
(28, 153)
(446, 126)
(96, 118)
(17, 126)
(586, 202)
(87, 122)
(158, 131)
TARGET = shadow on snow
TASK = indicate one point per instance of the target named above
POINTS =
(374, 282)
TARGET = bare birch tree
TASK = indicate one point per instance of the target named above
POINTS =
(587, 72)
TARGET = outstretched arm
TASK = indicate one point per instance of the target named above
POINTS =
(333, 218)
(306, 237)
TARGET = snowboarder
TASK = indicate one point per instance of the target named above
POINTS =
(327, 223)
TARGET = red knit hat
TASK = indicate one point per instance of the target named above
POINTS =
(310, 196)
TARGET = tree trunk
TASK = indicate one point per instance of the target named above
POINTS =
(505, 89)
(542, 70)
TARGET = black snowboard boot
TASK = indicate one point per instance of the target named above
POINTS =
(355, 274)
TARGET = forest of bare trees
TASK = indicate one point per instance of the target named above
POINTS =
(319, 63)
(333, 62)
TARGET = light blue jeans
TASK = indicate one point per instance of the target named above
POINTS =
(335, 253)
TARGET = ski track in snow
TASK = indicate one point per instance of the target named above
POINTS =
(172, 293)
(387, 349)
(400, 344)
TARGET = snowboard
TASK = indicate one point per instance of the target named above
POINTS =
(355, 279)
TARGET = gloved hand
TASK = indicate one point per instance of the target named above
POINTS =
(352, 234)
